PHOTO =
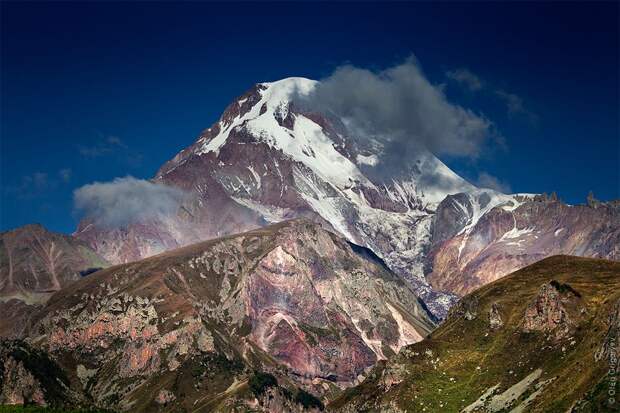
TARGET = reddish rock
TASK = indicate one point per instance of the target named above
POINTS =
(290, 298)
(547, 313)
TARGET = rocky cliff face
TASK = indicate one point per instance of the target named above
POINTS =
(292, 299)
(35, 263)
(541, 339)
(470, 251)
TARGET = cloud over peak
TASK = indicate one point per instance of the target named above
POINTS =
(399, 108)
(126, 200)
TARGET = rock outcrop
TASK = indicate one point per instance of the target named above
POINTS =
(610, 348)
(19, 386)
(467, 308)
(547, 312)
(495, 318)
(29, 376)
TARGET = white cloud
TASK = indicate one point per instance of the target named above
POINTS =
(126, 200)
(400, 108)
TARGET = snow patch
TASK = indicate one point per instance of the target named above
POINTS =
(371, 160)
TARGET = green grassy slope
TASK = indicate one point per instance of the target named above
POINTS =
(464, 357)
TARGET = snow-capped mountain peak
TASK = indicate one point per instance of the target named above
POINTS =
(268, 159)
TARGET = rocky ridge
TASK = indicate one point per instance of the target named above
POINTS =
(469, 252)
(291, 299)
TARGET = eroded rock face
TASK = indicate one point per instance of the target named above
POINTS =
(495, 318)
(30, 376)
(547, 313)
(35, 261)
(291, 297)
(510, 236)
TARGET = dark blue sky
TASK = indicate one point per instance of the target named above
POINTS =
(92, 91)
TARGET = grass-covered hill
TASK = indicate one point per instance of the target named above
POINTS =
(543, 339)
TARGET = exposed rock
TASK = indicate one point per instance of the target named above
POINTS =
(507, 235)
(164, 397)
(30, 376)
(495, 318)
(392, 376)
(292, 298)
(34, 263)
(467, 308)
(85, 374)
(547, 312)
(19, 386)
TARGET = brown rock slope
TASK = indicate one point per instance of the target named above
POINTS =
(543, 339)
(187, 328)
(35, 263)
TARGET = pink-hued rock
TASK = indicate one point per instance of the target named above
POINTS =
(35, 263)
(291, 298)
(547, 313)
(164, 397)
(507, 239)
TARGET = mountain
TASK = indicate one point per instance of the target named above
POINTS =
(287, 311)
(34, 263)
(543, 339)
(267, 159)
(472, 247)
